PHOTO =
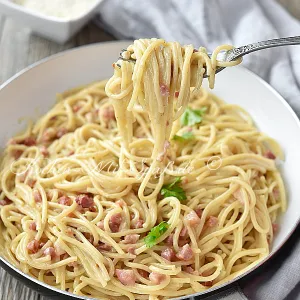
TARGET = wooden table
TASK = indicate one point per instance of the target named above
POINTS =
(19, 49)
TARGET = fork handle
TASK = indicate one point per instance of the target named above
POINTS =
(236, 53)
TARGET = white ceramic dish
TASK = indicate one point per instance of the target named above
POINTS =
(55, 29)
(36, 87)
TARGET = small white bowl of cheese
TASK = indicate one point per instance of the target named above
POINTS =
(57, 20)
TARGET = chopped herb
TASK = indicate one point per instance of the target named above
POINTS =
(185, 137)
(173, 190)
(192, 116)
(155, 233)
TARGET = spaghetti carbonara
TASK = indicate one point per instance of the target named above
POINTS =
(141, 187)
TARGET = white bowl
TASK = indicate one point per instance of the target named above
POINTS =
(56, 29)
(36, 87)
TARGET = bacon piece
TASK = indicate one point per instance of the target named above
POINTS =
(31, 182)
(157, 278)
(161, 156)
(199, 212)
(275, 228)
(183, 232)
(115, 222)
(164, 90)
(37, 196)
(139, 223)
(61, 132)
(69, 232)
(85, 201)
(42, 244)
(143, 273)
(131, 250)
(192, 219)
(190, 270)
(33, 246)
(101, 225)
(65, 200)
(32, 226)
(207, 283)
(103, 247)
(107, 113)
(126, 277)
(212, 221)
(17, 153)
(131, 238)
(169, 240)
(5, 201)
(168, 254)
(29, 141)
(50, 251)
(185, 253)
(58, 249)
(44, 151)
(49, 134)
(269, 154)
(176, 94)
(76, 108)
(93, 209)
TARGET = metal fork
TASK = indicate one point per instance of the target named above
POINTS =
(236, 53)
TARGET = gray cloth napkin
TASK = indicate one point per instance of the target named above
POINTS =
(237, 22)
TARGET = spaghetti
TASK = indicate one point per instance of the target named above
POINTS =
(144, 189)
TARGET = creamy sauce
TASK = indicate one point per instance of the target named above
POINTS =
(64, 9)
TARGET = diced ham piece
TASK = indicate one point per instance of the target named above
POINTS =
(275, 228)
(139, 223)
(37, 196)
(164, 90)
(269, 154)
(5, 201)
(207, 283)
(49, 134)
(115, 222)
(169, 240)
(107, 113)
(143, 273)
(168, 254)
(65, 200)
(131, 250)
(126, 277)
(212, 221)
(199, 212)
(183, 232)
(192, 219)
(31, 182)
(17, 153)
(50, 251)
(58, 249)
(44, 151)
(29, 141)
(61, 132)
(156, 278)
(103, 247)
(101, 225)
(33, 246)
(85, 201)
(190, 270)
(76, 108)
(32, 226)
(185, 253)
(131, 238)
